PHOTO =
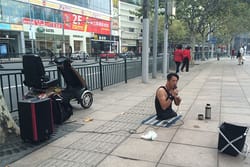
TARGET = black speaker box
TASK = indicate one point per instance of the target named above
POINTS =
(232, 132)
(35, 119)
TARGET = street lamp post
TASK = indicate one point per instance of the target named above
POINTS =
(145, 42)
(165, 55)
(155, 37)
(63, 40)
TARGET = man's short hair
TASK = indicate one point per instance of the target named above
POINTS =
(170, 75)
(179, 46)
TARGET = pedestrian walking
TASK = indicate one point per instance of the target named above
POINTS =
(178, 57)
(186, 58)
(70, 51)
(240, 55)
(232, 53)
(218, 53)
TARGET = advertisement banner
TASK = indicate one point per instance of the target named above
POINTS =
(41, 23)
(85, 23)
(75, 22)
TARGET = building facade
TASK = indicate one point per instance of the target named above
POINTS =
(27, 26)
(94, 26)
(130, 31)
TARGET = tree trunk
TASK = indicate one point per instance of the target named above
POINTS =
(193, 47)
(7, 124)
(229, 48)
(202, 49)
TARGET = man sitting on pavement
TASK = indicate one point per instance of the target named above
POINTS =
(165, 95)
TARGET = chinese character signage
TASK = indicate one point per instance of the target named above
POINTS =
(85, 23)
(75, 22)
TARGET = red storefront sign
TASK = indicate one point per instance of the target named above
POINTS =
(86, 24)
(41, 23)
(75, 22)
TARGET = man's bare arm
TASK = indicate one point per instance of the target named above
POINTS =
(165, 102)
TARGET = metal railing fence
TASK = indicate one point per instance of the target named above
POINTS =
(97, 75)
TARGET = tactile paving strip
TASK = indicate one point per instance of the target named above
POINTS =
(93, 146)
(72, 157)
(130, 118)
(112, 127)
(106, 137)
(15, 148)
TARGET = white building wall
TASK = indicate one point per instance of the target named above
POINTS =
(128, 23)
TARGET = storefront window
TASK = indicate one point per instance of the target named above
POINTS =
(37, 12)
(49, 14)
(13, 11)
(97, 5)
(135, 2)
(57, 16)
(1, 11)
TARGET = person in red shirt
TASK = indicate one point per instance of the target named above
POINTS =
(186, 58)
(178, 56)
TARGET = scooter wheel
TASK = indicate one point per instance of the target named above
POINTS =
(87, 100)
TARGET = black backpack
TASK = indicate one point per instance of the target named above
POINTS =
(62, 110)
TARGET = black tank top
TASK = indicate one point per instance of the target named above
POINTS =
(159, 111)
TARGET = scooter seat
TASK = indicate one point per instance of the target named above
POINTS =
(34, 73)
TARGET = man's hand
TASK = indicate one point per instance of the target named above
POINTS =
(175, 92)
(177, 99)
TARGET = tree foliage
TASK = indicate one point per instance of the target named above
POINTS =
(223, 19)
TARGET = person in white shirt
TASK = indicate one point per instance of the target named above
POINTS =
(241, 55)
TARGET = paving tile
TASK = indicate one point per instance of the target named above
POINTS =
(102, 137)
(114, 161)
(192, 156)
(37, 157)
(59, 163)
(91, 125)
(79, 156)
(104, 115)
(113, 126)
(130, 118)
(93, 146)
(236, 110)
(163, 134)
(193, 115)
(230, 161)
(142, 110)
(144, 150)
(235, 118)
(201, 125)
(197, 138)
(185, 106)
(234, 104)
(66, 140)
(164, 165)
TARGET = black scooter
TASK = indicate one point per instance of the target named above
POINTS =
(40, 84)
(76, 86)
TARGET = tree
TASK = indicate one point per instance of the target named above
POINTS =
(223, 19)
(197, 14)
(7, 124)
(213, 16)
(177, 29)
(234, 21)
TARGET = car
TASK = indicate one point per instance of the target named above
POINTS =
(78, 55)
(108, 55)
(128, 54)
(46, 53)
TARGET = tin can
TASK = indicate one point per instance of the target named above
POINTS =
(200, 117)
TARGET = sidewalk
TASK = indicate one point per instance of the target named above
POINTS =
(107, 140)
